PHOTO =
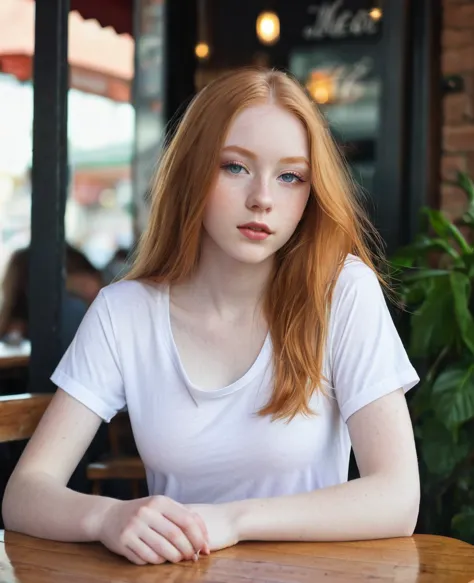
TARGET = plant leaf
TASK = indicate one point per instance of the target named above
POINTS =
(417, 252)
(416, 274)
(421, 400)
(446, 230)
(469, 265)
(414, 293)
(461, 287)
(467, 185)
(453, 395)
(463, 525)
(444, 246)
(433, 326)
(440, 451)
(468, 217)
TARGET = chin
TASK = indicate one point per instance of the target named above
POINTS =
(251, 256)
(240, 251)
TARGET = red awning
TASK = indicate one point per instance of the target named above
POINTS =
(101, 61)
(115, 13)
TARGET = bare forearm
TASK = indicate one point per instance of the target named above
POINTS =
(38, 506)
(367, 508)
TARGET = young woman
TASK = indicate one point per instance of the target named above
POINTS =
(251, 344)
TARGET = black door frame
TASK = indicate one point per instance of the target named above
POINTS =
(49, 190)
(424, 152)
(407, 175)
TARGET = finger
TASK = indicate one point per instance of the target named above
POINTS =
(186, 521)
(205, 550)
(136, 547)
(132, 557)
(165, 547)
(202, 524)
(158, 523)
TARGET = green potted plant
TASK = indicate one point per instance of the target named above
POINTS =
(434, 279)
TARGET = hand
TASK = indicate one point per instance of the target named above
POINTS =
(153, 530)
(221, 524)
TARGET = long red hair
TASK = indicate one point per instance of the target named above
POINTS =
(298, 295)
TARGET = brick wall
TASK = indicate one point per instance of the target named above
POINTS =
(457, 58)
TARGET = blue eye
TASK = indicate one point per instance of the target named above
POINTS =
(290, 178)
(233, 168)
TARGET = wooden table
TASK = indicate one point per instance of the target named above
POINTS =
(419, 559)
(14, 356)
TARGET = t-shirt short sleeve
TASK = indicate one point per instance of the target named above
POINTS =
(367, 357)
(90, 369)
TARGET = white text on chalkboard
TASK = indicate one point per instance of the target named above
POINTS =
(332, 20)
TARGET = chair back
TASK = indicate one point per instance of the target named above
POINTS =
(20, 414)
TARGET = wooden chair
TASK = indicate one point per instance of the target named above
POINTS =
(20, 414)
(19, 417)
(120, 464)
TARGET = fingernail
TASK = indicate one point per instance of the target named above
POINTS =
(196, 557)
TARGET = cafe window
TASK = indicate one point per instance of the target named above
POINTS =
(345, 82)
(99, 217)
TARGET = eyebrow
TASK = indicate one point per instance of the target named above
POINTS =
(253, 156)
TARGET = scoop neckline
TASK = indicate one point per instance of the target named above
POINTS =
(256, 367)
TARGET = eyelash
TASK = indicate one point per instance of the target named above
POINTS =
(291, 172)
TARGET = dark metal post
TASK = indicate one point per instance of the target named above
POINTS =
(425, 138)
(390, 179)
(49, 186)
(181, 38)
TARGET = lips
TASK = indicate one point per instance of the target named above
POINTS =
(255, 231)
(257, 227)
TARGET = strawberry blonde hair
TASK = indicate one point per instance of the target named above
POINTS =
(299, 292)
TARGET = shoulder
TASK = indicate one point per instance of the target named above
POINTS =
(357, 293)
(124, 308)
(128, 293)
(355, 278)
(129, 301)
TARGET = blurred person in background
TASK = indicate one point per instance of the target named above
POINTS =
(83, 280)
(83, 283)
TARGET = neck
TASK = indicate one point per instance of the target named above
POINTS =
(226, 285)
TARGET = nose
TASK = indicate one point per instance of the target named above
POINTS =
(260, 197)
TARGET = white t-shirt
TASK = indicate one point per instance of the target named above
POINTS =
(201, 446)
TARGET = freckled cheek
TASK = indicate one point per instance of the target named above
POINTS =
(229, 193)
(220, 206)
(294, 207)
